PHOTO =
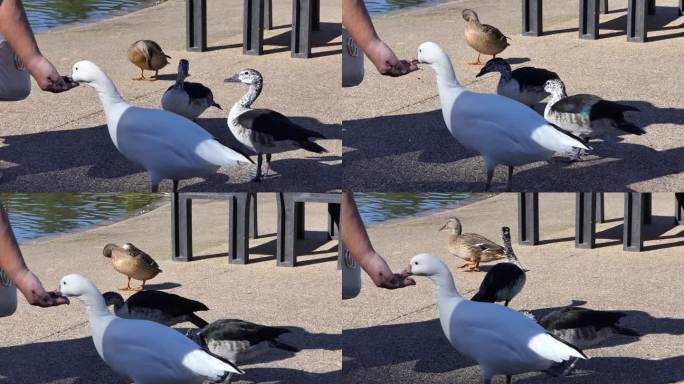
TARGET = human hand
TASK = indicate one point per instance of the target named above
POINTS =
(47, 77)
(387, 62)
(383, 277)
(35, 294)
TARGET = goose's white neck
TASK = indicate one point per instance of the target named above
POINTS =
(555, 97)
(112, 103)
(446, 288)
(445, 73)
(95, 305)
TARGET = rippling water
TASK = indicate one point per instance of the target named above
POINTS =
(44, 14)
(377, 207)
(376, 7)
(34, 215)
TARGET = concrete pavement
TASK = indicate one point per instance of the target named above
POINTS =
(395, 337)
(60, 142)
(395, 138)
(53, 345)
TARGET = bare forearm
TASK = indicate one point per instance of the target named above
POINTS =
(11, 260)
(354, 233)
(356, 20)
(15, 26)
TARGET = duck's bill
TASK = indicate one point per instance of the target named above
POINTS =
(406, 272)
(443, 227)
(232, 79)
(482, 72)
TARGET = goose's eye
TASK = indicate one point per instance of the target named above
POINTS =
(64, 283)
(76, 68)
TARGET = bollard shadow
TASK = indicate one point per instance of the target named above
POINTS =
(319, 39)
(517, 60)
(162, 286)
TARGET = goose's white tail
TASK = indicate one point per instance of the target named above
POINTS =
(218, 154)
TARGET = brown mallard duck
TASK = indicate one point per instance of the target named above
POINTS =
(471, 247)
(483, 38)
(147, 55)
(132, 262)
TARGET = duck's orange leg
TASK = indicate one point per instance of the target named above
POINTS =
(142, 75)
(127, 287)
(477, 61)
(155, 77)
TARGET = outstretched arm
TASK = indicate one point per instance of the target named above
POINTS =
(12, 262)
(357, 242)
(356, 20)
(15, 26)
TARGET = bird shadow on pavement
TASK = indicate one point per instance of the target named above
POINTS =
(74, 360)
(86, 156)
(162, 286)
(413, 143)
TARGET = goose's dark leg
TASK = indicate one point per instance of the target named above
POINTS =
(509, 379)
(509, 184)
(568, 370)
(258, 170)
(506, 304)
(175, 185)
(268, 163)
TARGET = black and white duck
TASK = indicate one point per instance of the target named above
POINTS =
(185, 98)
(157, 306)
(239, 340)
(505, 280)
(524, 84)
(265, 131)
(586, 116)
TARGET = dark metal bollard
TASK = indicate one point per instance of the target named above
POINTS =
(196, 25)
(528, 218)
(679, 208)
(302, 15)
(636, 21)
(585, 223)
(532, 24)
(633, 225)
(600, 207)
(589, 19)
(268, 14)
(604, 6)
(253, 31)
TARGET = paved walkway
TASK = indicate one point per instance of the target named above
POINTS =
(400, 142)
(395, 337)
(60, 142)
(54, 345)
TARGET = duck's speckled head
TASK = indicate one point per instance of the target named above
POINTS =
(247, 76)
(469, 15)
(425, 264)
(87, 72)
(555, 87)
(452, 223)
(495, 65)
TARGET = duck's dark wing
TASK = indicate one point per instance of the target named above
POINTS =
(500, 277)
(235, 329)
(270, 126)
(136, 252)
(171, 304)
(534, 77)
(198, 91)
(576, 317)
(486, 28)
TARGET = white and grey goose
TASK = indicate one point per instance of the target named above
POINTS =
(502, 130)
(502, 341)
(584, 327)
(586, 116)
(161, 307)
(240, 340)
(185, 98)
(265, 131)
(168, 146)
(524, 84)
(143, 351)
(505, 280)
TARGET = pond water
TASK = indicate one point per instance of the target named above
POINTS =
(35, 215)
(44, 14)
(377, 7)
(378, 207)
